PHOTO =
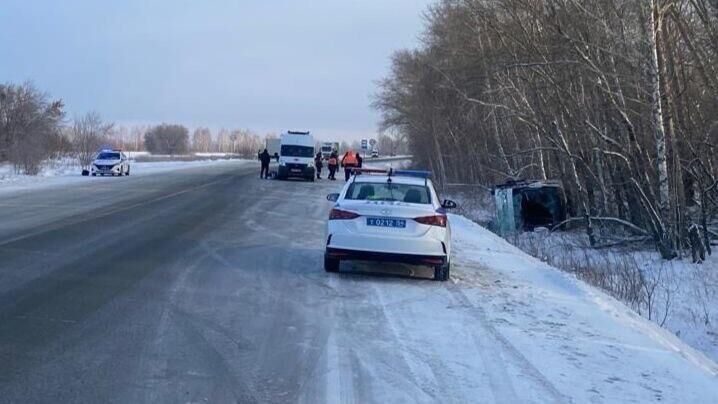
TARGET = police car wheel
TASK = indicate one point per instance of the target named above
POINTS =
(442, 272)
(94, 174)
(331, 264)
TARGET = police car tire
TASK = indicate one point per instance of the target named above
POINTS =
(128, 171)
(94, 174)
(442, 272)
(331, 264)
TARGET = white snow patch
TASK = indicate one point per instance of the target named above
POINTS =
(566, 334)
(67, 172)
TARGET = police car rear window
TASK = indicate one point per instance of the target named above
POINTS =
(371, 191)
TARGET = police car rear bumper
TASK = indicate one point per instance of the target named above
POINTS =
(412, 259)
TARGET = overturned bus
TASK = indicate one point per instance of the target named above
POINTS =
(525, 205)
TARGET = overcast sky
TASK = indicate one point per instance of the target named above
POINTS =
(267, 65)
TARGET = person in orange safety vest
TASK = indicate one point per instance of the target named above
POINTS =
(349, 162)
(333, 164)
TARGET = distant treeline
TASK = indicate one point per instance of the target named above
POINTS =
(618, 99)
(33, 129)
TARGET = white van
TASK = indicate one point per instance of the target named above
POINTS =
(296, 156)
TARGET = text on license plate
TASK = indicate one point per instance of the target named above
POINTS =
(381, 222)
(295, 170)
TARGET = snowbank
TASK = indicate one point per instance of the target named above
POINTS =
(589, 345)
(678, 295)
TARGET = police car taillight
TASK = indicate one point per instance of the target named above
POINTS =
(435, 220)
(338, 214)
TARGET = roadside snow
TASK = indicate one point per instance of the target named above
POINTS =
(678, 295)
(567, 335)
(67, 173)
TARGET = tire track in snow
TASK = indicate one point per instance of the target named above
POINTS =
(502, 382)
(424, 378)
(445, 377)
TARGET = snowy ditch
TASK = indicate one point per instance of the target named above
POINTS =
(554, 322)
(677, 295)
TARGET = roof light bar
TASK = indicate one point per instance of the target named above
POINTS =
(369, 171)
(413, 173)
(393, 173)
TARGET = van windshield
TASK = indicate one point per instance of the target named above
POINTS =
(297, 151)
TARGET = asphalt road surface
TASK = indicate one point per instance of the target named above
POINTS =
(198, 285)
(206, 285)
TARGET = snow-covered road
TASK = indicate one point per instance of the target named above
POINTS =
(206, 285)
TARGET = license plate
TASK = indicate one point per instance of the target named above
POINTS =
(381, 222)
(295, 170)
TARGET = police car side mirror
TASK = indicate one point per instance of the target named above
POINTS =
(333, 197)
(448, 204)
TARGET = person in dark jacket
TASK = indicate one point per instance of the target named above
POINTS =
(360, 160)
(318, 165)
(276, 156)
(264, 158)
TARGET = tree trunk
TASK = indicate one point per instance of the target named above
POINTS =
(664, 207)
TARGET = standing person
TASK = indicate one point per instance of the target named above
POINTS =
(264, 158)
(349, 161)
(318, 165)
(360, 160)
(276, 156)
(332, 165)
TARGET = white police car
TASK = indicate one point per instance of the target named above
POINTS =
(392, 215)
(110, 162)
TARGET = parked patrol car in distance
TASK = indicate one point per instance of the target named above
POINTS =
(389, 215)
(110, 162)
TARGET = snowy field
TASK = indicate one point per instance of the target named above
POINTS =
(67, 172)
